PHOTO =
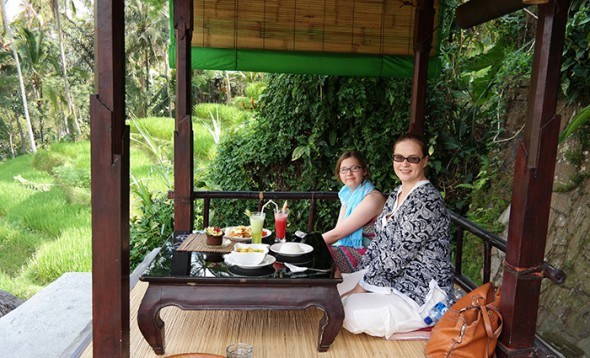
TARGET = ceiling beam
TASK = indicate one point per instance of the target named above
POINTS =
(476, 12)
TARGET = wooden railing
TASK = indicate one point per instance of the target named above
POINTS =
(460, 226)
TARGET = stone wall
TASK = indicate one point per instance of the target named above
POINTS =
(564, 312)
(8, 302)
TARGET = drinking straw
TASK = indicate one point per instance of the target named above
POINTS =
(268, 202)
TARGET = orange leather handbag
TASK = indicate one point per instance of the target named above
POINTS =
(470, 328)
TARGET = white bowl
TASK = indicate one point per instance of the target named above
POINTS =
(290, 248)
(246, 258)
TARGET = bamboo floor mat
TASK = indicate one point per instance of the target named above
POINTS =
(272, 333)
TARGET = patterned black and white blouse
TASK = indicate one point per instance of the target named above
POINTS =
(413, 246)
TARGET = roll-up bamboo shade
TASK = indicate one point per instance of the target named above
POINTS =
(373, 27)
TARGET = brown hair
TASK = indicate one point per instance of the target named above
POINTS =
(352, 154)
(418, 138)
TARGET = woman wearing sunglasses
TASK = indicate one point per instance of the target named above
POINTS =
(360, 205)
(407, 268)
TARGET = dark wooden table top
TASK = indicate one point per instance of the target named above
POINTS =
(171, 265)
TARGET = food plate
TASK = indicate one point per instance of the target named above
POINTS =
(268, 260)
(305, 249)
(238, 230)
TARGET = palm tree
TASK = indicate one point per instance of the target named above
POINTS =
(149, 20)
(72, 110)
(37, 61)
(32, 144)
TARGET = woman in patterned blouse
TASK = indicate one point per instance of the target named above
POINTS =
(407, 268)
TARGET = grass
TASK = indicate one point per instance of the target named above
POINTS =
(45, 213)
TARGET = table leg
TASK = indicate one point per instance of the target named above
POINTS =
(239, 297)
(149, 321)
(331, 322)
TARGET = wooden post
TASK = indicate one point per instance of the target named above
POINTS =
(109, 138)
(423, 30)
(531, 194)
(183, 134)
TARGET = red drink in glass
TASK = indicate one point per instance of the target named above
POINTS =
(281, 224)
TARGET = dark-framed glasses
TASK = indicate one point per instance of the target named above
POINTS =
(412, 159)
(353, 169)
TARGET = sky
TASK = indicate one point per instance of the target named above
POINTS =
(12, 8)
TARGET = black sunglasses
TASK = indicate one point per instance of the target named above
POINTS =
(413, 159)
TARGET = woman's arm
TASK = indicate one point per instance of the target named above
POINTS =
(369, 208)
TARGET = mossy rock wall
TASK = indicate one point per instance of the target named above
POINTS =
(564, 310)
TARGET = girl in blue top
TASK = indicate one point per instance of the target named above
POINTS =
(360, 205)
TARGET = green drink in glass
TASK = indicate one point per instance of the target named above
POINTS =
(256, 224)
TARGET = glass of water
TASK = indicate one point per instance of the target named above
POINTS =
(239, 350)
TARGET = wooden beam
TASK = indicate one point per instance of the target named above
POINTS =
(423, 30)
(531, 193)
(109, 138)
(183, 134)
(476, 12)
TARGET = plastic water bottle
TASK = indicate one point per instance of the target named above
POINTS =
(436, 313)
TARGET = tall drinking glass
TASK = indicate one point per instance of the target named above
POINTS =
(256, 224)
(281, 224)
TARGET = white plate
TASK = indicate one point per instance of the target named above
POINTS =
(268, 260)
(224, 243)
(265, 233)
(305, 249)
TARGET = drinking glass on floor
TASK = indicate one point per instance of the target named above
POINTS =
(239, 350)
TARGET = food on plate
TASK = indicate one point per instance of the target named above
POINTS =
(214, 235)
(239, 231)
(290, 248)
(213, 231)
(249, 249)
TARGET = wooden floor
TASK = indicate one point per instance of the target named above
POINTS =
(271, 333)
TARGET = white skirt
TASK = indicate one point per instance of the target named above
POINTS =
(382, 315)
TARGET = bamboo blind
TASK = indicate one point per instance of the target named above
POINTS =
(375, 27)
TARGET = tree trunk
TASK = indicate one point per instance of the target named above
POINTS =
(32, 144)
(227, 88)
(71, 106)
(11, 137)
(23, 141)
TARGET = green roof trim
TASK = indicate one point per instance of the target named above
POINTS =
(304, 62)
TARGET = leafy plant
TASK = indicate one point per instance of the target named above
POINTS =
(575, 67)
(152, 225)
(579, 119)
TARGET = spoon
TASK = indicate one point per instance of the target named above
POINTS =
(295, 268)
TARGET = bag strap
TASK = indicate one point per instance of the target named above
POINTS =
(486, 320)
(493, 309)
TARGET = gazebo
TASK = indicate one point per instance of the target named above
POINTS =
(340, 37)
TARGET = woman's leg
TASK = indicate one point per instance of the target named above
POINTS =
(379, 315)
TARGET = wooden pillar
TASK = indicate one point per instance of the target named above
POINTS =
(183, 134)
(423, 30)
(531, 195)
(109, 147)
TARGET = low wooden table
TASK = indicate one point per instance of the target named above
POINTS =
(202, 281)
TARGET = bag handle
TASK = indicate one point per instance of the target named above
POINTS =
(493, 309)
